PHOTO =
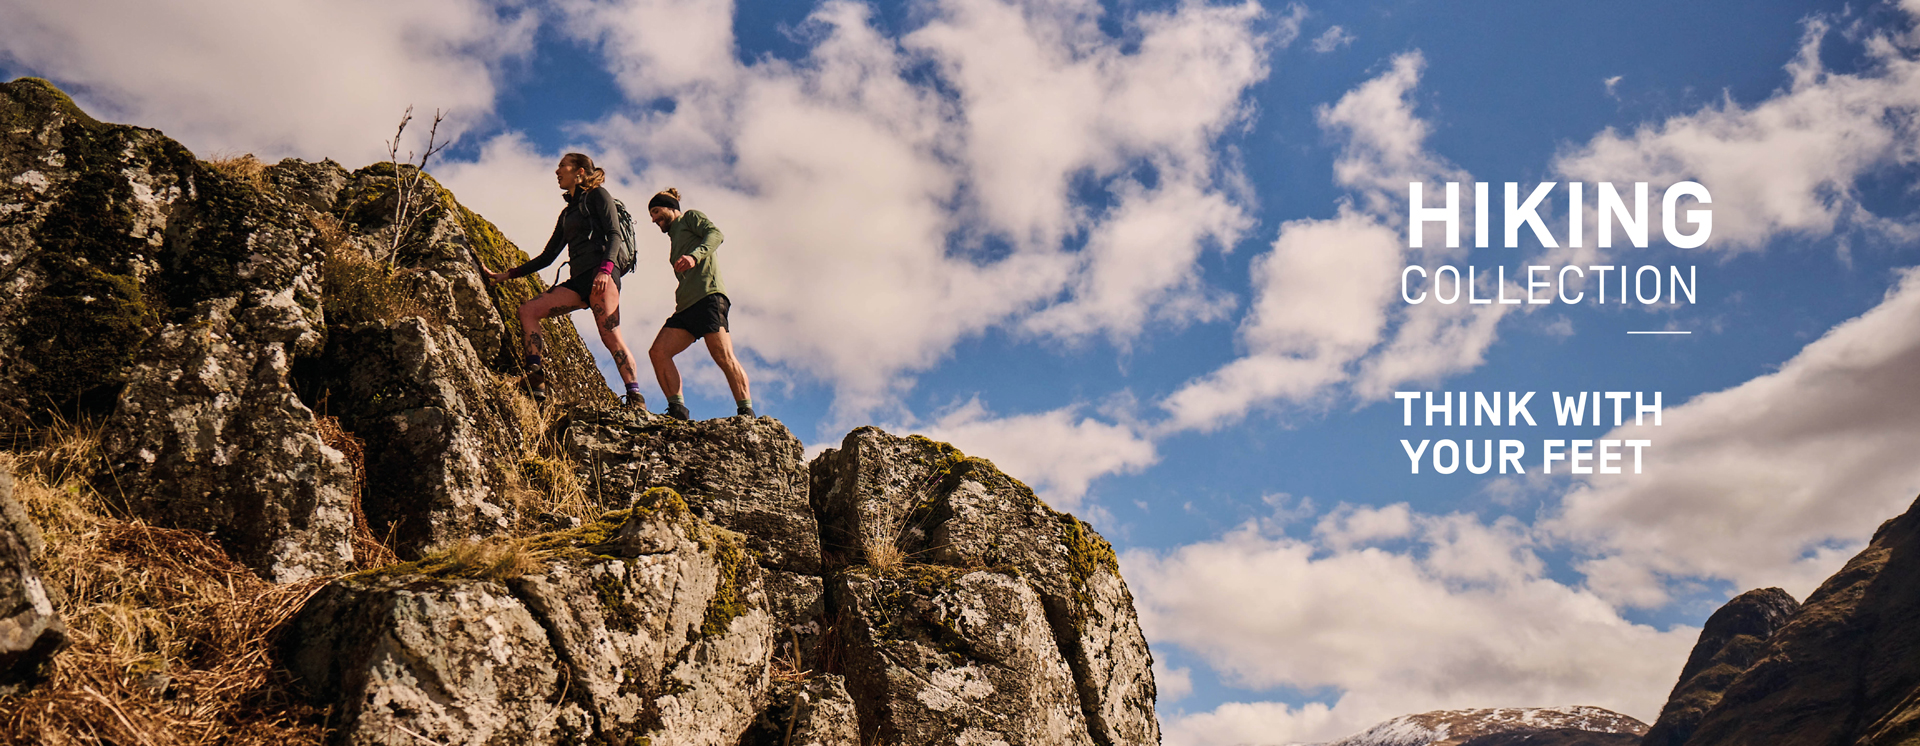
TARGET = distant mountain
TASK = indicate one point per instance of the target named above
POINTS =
(1844, 669)
(1556, 725)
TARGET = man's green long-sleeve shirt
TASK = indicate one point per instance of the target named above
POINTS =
(696, 236)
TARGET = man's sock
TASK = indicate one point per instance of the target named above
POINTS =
(679, 399)
(746, 403)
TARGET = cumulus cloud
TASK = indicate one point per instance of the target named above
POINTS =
(1773, 482)
(304, 78)
(1000, 164)
(1058, 453)
(1403, 612)
(1326, 313)
(1789, 164)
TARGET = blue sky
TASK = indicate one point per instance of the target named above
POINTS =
(1144, 255)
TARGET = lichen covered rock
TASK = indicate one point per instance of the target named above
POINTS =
(742, 473)
(30, 628)
(941, 655)
(923, 501)
(437, 427)
(649, 623)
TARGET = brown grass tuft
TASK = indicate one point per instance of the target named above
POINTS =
(241, 167)
(170, 636)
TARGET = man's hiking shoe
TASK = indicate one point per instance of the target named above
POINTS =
(678, 411)
(537, 383)
(745, 411)
(634, 401)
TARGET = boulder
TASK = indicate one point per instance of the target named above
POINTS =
(438, 429)
(741, 473)
(210, 436)
(647, 624)
(816, 711)
(922, 501)
(943, 655)
(30, 628)
(1730, 642)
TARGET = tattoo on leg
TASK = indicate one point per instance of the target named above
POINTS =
(613, 320)
(626, 368)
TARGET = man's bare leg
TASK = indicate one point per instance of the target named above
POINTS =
(668, 343)
(720, 345)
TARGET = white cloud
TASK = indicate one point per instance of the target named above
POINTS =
(302, 78)
(1326, 310)
(885, 197)
(1400, 611)
(1788, 164)
(1334, 38)
(1773, 482)
(1058, 453)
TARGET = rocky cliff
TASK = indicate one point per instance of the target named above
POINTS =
(292, 492)
(1731, 641)
(1843, 669)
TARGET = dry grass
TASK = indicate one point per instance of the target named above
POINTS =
(241, 167)
(540, 483)
(357, 287)
(170, 637)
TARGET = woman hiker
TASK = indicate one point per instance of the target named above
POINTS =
(587, 229)
(699, 304)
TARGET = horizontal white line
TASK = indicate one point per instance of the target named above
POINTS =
(1659, 332)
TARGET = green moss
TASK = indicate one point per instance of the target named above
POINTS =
(28, 96)
(619, 612)
(83, 332)
(730, 553)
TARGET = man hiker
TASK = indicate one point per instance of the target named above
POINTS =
(699, 304)
(589, 230)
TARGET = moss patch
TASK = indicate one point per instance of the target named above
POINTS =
(730, 553)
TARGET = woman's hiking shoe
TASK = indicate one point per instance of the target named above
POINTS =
(634, 401)
(537, 383)
(745, 410)
(678, 411)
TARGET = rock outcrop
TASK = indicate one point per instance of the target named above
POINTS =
(884, 499)
(711, 611)
(205, 313)
(1731, 641)
(1551, 726)
(290, 361)
(30, 628)
(1845, 668)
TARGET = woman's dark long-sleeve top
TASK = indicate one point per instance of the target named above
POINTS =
(586, 228)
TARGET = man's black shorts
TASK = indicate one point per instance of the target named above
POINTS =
(704, 317)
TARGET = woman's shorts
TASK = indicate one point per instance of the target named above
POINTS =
(584, 286)
(704, 317)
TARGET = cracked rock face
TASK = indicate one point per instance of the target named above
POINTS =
(436, 426)
(934, 505)
(961, 656)
(657, 629)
